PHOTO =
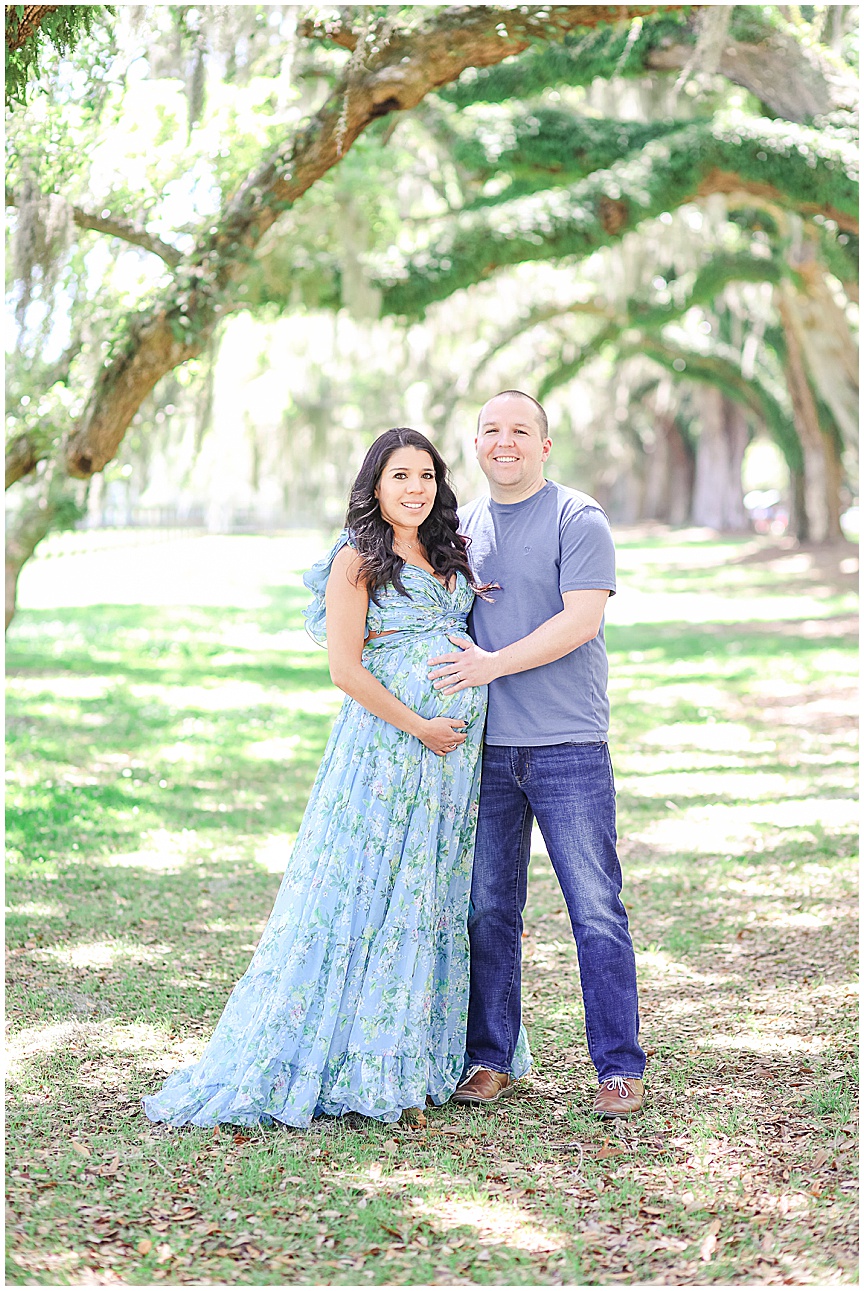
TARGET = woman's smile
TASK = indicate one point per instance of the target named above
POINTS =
(407, 488)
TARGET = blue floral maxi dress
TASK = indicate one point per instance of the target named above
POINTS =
(357, 996)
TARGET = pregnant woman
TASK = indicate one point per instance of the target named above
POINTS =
(356, 998)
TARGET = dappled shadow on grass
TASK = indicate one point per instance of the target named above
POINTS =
(112, 769)
(137, 900)
(674, 642)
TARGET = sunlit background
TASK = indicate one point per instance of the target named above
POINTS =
(651, 224)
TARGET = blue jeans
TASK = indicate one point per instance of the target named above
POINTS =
(570, 791)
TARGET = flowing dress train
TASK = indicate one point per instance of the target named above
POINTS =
(356, 998)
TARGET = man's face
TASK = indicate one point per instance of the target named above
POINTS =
(510, 446)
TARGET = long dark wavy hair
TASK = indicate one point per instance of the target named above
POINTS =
(446, 549)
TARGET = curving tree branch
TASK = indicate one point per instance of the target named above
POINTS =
(794, 167)
(118, 227)
(23, 455)
(708, 283)
(795, 79)
(398, 70)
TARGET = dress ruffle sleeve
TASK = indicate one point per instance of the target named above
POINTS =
(315, 579)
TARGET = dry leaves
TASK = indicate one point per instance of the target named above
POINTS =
(608, 1151)
(709, 1242)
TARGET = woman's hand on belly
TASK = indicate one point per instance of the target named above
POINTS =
(443, 734)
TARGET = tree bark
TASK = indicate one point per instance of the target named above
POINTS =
(772, 67)
(794, 81)
(798, 521)
(23, 535)
(718, 495)
(118, 227)
(819, 510)
(835, 476)
(19, 30)
(669, 472)
(825, 339)
(22, 457)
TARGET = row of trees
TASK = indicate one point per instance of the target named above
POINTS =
(694, 256)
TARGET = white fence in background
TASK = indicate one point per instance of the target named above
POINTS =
(146, 526)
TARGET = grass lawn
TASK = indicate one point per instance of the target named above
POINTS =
(166, 716)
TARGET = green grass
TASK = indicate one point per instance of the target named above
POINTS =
(160, 755)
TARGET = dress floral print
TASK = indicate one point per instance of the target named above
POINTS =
(356, 998)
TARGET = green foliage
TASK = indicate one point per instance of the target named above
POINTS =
(582, 56)
(62, 29)
(550, 146)
(839, 251)
(804, 169)
(652, 316)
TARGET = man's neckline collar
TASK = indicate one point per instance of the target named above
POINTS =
(511, 506)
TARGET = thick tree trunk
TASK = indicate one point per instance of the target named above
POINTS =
(825, 339)
(798, 521)
(23, 535)
(821, 482)
(669, 473)
(718, 495)
(835, 475)
(153, 351)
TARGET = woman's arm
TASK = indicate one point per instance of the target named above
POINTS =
(347, 603)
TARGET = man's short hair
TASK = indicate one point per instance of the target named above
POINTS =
(541, 411)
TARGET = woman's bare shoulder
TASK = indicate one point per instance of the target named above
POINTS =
(346, 564)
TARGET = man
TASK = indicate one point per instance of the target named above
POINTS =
(540, 648)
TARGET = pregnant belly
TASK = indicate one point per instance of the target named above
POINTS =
(401, 663)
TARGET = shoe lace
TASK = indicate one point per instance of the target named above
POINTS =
(619, 1083)
(472, 1071)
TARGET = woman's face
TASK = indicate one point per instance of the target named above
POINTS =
(406, 489)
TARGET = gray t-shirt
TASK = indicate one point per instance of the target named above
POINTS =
(556, 541)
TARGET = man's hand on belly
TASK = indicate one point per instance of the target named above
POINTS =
(467, 666)
(579, 622)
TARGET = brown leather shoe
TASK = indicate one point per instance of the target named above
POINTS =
(619, 1096)
(480, 1085)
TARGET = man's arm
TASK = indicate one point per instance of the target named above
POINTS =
(577, 623)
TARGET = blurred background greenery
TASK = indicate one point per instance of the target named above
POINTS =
(244, 239)
(241, 241)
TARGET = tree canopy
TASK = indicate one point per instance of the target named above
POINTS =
(286, 189)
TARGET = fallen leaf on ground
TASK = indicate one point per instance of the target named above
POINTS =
(144, 1247)
(709, 1243)
(80, 1149)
